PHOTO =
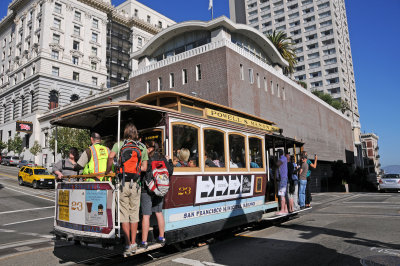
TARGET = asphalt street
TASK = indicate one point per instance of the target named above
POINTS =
(341, 229)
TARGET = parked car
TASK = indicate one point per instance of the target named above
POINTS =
(14, 160)
(26, 163)
(389, 182)
(5, 159)
(35, 176)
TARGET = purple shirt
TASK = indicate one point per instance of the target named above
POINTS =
(283, 171)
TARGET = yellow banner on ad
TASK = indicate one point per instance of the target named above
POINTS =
(240, 120)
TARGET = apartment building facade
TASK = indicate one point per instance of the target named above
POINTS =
(370, 154)
(321, 40)
(55, 53)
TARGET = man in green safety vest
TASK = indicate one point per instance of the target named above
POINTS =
(94, 159)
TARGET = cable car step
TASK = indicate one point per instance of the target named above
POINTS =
(273, 216)
(151, 246)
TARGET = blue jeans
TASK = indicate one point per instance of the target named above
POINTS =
(302, 193)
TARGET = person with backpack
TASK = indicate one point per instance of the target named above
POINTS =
(65, 167)
(131, 162)
(154, 188)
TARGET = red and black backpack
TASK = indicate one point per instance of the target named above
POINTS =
(130, 160)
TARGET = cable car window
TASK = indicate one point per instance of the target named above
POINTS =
(237, 151)
(255, 152)
(214, 148)
(156, 135)
(185, 146)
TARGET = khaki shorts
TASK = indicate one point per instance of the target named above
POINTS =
(129, 203)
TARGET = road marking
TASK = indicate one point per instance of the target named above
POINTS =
(386, 251)
(36, 196)
(23, 243)
(25, 248)
(195, 262)
(7, 231)
(25, 210)
(32, 220)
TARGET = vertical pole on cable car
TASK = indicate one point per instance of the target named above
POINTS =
(274, 173)
(116, 177)
(55, 145)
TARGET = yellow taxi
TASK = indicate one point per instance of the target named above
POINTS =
(35, 176)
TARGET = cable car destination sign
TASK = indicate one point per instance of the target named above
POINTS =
(240, 120)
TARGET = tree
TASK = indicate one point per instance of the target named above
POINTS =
(68, 138)
(3, 145)
(341, 105)
(15, 144)
(284, 45)
(36, 148)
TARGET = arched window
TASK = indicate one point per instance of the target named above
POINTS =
(32, 101)
(22, 105)
(74, 97)
(14, 107)
(53, 99)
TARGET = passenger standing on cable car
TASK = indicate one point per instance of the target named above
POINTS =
(65, 167)
(94, 159)
(308, 190)
(150, 202)
(283, 173)
(129, 202)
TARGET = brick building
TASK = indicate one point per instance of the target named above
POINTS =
(235, 65)
(370, 152)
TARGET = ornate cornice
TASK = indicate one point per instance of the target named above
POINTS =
(56, 46)
(94, 58)
(76, 53)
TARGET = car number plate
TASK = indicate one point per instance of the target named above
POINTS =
(50, 182)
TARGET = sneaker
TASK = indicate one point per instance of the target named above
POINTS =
(302, 208)
(127, 251)
(144, 245)
(133, 248)
(161, 240)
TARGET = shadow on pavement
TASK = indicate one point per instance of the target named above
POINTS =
(67, 252)
(1, 186)
(264, 251)
(311, 231)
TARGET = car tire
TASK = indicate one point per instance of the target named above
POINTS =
(20, 181)
(35, 184)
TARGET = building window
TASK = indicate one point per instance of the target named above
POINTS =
(136, 13)
(94, 37)
(184, 76)
(55, 71)
(251, 76)
(77, 16)
(75, 45)
(278, 91)
(94, 81)
(74, 97)
(14, 108)
(53, 101)
(171, 80)
(75, 76)
(148, 19)
(57, 23)
(160, 24)
(258, 81)
(57, 8)
(94, 51)
(22, 105)
(265, 85)
(77, 30)
(94, 66)
(75, 60)
(241, 72)
(95, 23)
(272, 88)
(159, 84)
(139, 42)
(32, 101)
(148, 86)
(56, 38)
(198, 72)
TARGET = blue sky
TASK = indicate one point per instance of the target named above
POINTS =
(374, 37)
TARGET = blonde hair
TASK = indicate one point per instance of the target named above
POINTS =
(183, 154)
